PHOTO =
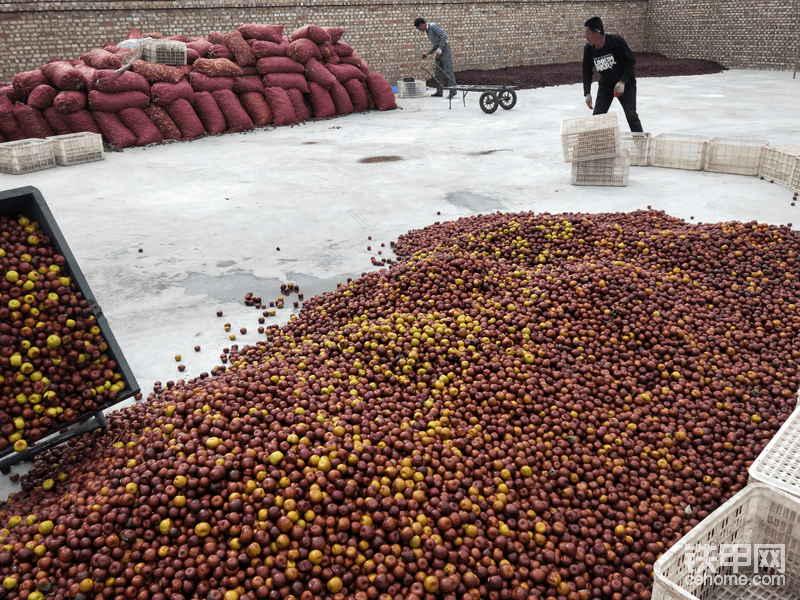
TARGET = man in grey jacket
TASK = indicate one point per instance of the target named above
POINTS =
(441, 50)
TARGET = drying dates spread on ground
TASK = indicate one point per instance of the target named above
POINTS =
(525, 406)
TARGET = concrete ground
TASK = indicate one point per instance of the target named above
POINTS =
(209, 215)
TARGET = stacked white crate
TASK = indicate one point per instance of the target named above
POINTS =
(593, 146)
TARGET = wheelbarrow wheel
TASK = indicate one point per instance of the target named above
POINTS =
(508, 98)
(489, 102)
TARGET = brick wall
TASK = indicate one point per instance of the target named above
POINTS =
(755, 34)
(740, 34)
(483, 35)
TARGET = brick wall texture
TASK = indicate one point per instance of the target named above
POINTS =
(753, 34)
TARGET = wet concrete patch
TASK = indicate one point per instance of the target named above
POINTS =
(474, 202)
(380, 159)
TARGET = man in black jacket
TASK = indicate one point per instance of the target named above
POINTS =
(614, 61)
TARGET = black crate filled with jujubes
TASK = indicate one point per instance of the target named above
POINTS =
(60, 365)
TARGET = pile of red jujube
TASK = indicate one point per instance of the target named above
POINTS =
(250, 77)
(54, 362)
(524, 406)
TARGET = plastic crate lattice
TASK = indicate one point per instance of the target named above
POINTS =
(590, 138)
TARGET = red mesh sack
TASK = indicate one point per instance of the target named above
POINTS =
(217, 67)
(89, 73)
(241, 49)
(191, 56)
(160, 118)
(134, 34)
(101, 59)
(381, 91)
(336, 33)
(113, 130)
(303, 49)
(279, 64)
(325, 50)
(153, 34)
(27, 80)
(341, 100)
(299, 104)
(64, 76)
(256, 107)
(251, 83)
(8, 123)
(177, 38)
(352, 59)
(321, 101)
(215, 37)
(56, 120)
(316, 72)
(116, 101)
(280, 105)
(315, 33)
(140, 125)
(31, 121)
(82, 120)
(358, 95)
(204, 83)
(208, 110)
(267, 33)
(333, 59)
(342, 49)
(343, 72)
(286, 81)
(263, 49)
(200, 46)
(106, 80)
(68, 102)
(154, 73)
(247, 71)
(163, 93)
(235, 115)
(12, 93)
(219, 51)
(185, 118)
(122, 53)
(42, 96)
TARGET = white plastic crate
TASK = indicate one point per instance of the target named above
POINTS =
(678, 151)
(590, 138)
(26, 156)
(738, 156)
(411, 89)
(638, 144)
(778, 465)
(76, 148)
(778, 163)
(612, 171)
(757, 519)
(794, 182)
(164, 52)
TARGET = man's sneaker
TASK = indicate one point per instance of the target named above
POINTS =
(437, 94)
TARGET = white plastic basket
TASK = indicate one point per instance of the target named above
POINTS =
(26, 156)
(778, 163)
(164, 52)
(738, 156)
(590, 138)
(794, 182)
(757, 519)
(678, 151)
(612, 171)
(778, 465)
(411, 89)
(638, 144)
(76, 148)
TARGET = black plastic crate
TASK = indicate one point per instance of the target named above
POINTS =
(29, 202)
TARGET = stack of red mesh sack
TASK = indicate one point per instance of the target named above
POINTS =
(251, 77)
